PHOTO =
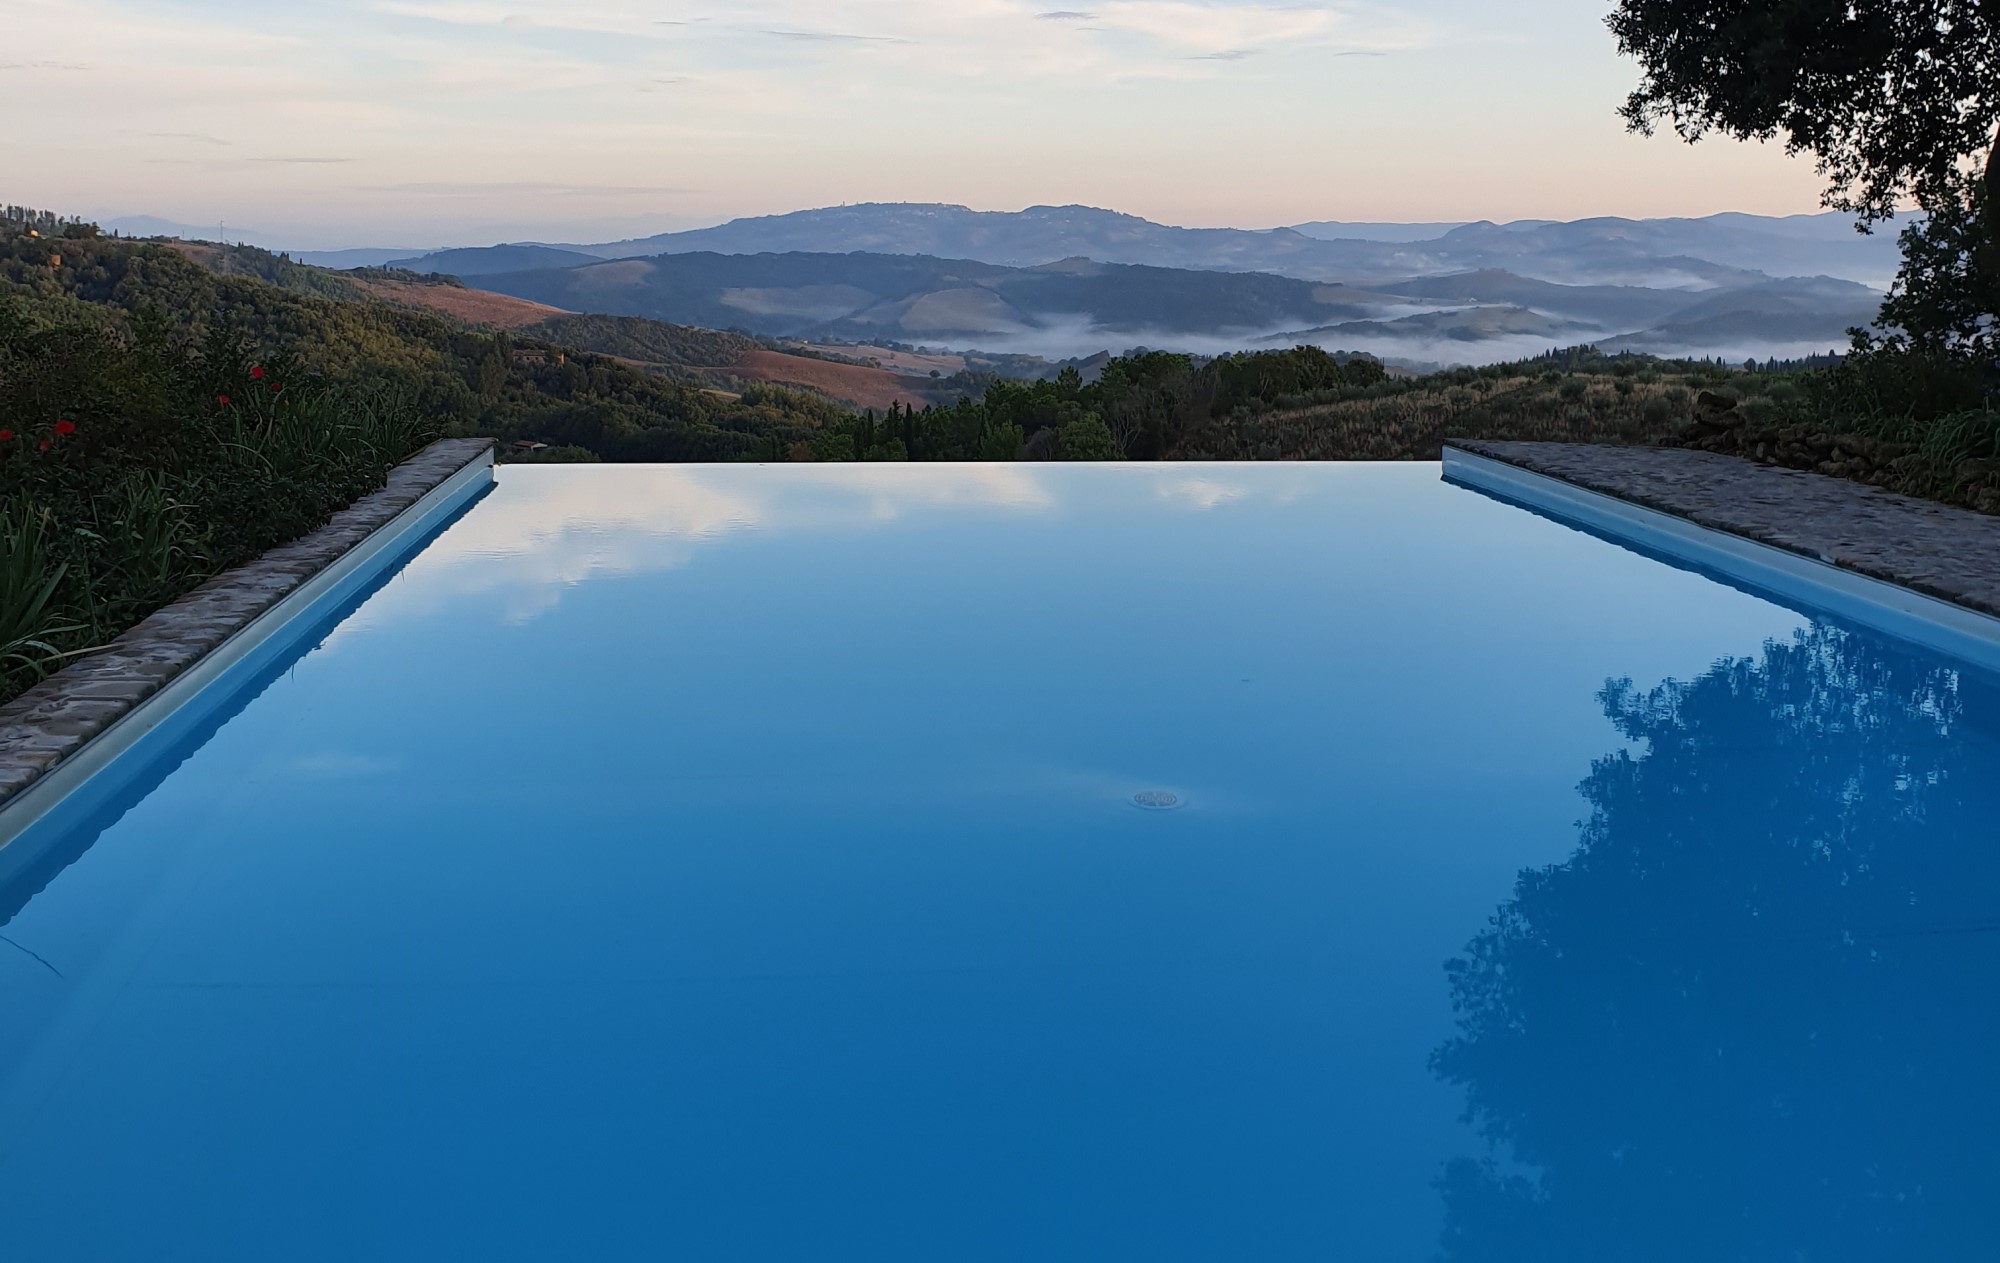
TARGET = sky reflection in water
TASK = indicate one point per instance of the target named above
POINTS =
(741, 863)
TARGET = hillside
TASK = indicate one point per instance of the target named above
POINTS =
(858, 297)
(1076, 307)
(1660, 253)
(732, 360)
(694, 356)
(1469, 325)
(474, 306)
(858, 384)
(468, 381)
(491, 260)
(1605, 306)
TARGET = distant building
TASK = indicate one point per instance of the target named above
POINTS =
(537, 355)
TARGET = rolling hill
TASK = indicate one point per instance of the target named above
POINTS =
(492, 259)
(858, 297)
(1077, 307)
(1658, 253)
(1604, 306)
(1797, 312)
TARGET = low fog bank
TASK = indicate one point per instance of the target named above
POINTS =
(1080, 339)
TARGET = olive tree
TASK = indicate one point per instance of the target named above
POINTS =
(1895, 100)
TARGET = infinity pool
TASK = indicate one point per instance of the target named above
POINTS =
(1026, 863)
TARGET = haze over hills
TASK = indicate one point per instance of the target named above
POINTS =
(1070, 281)
(918, 298)
(1343, 230)
(1663, 253)
(1078, 306)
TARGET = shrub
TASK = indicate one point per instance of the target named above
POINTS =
(1087, 438)
(133, 468)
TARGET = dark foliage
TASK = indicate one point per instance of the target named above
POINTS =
(1896, 99)
(134, 464)
(1948, 290)
(1749, 1017)
(1143, 406)
(468, 381)
(1888, 95)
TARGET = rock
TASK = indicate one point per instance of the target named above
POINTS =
(1713, 413)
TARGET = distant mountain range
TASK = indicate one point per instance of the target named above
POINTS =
(1650, 252)
(917, 298)
(1074, 306)
(1071, 280)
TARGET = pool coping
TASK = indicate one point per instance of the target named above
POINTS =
(1624, 504)
(61, 732)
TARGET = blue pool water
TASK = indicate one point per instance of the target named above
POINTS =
(716, 864)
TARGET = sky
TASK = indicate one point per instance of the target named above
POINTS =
(320, 124)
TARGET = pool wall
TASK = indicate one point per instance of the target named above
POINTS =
(1788, 577)
(80, 782)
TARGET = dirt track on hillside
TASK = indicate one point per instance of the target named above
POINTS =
(476, 305)
(863, 387)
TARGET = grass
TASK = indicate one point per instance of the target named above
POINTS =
(133, 469)
(1411, 419)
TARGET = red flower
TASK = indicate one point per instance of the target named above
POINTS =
(65, 428)
(276, 387)
(45, 445)
(256, 372)
(6, 436)
(223, 400)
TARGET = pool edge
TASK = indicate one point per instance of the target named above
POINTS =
(350, 571)
(1884, 606)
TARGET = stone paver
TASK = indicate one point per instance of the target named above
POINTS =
(59, 716)
(1941, 551)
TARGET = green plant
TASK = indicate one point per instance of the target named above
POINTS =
(29, 623)
(134, 465)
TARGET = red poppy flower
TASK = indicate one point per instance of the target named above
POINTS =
(223, 400)
(6, 436)
(65, 427)
(256, 372)
(45, 445)
(276, 387)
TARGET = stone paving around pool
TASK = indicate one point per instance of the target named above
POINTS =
(1949, 553)
(59, 716)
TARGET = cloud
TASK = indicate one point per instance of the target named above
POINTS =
(548, 530)
(833, 37)
(994, 103)
(521, 188)
(244, 164)
(199, 138)
(1202, 494)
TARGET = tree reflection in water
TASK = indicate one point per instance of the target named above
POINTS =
(1756, 1015)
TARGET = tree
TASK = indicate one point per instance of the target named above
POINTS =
(1949, 285)
(1894, 99)
(1087, 438)
(1887, 95)
(1750, 1016)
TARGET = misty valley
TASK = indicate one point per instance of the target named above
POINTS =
(1065, 283)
